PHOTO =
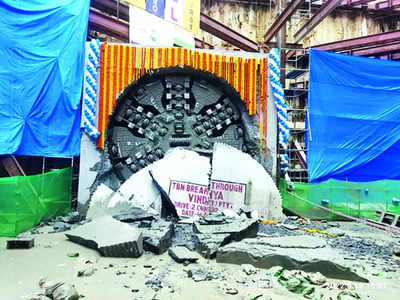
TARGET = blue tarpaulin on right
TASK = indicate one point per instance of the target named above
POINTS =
(354, 108)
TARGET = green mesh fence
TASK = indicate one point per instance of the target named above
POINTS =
(357, 199)
(26, 200)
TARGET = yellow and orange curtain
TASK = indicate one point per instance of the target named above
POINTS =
(122, 64)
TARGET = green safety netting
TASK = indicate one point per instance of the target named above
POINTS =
(26, 200)
(357, 199)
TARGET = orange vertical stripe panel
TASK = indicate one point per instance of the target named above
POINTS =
(102, 92)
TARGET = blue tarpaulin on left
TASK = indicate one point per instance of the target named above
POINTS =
(42, 48)
(354, 108)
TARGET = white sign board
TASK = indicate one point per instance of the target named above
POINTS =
(192, 199)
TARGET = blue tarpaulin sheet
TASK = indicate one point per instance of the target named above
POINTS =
(41, 73)
(354, 107)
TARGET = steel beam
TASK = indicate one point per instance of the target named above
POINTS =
(225, 33)
(365, 41)
(202, 45)
(378, 50)
(389, 4)
(12, 166)
(357, 2)
(324, 11)
(396, 56)
(108, 25)
(111, 7)
(282, 19)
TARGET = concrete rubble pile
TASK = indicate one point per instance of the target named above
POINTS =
(146, 216)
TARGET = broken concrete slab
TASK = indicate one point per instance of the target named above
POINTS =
(175, 178)
(99, 202)
(261, 192)
(301, 241)
(110, 237)
(237, 228)
(158, 237)
(184, 236)
(137, 191)
(182, 254)
(290, 253)
(135, 214)
(208, 244)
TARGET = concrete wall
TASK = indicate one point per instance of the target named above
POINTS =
(253, 21)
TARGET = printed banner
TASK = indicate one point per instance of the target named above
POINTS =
(156, 7)
(192, 199)
(192, 16)
(149, 30)
(174, 10)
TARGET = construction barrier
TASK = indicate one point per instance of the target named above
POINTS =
(26, 200)
(356, 199)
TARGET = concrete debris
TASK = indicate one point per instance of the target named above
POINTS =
(137, 191)
(213, 219)
(58, 290)
(158, 237)
(71, 218)
(86, 272)
(208, 244)
(110, 237)
(230, 213)
(99, 202)
(249, 269)
(201, 274)
(302, 241)
(134, 214)
(60, 227)
(305, 254)
(237, 228)
(155, 284)
(348, 295)
(184, 236)
(261, 192)
(181, 254)
(316, 278)
(231, 291)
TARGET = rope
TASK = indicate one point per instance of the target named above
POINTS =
(274, 64)
(90, 89)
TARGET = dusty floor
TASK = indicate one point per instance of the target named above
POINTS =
(115, 278)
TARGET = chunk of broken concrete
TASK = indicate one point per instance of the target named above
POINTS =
(134, 214)
(208, 244)
(86, 272)
(261, 192)
(138, 191)
(158, 237)
(99, 202)
(181, 254)
(58, 290)
(237, 228)
(110, 237)
(305, 253)
(249, 269)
